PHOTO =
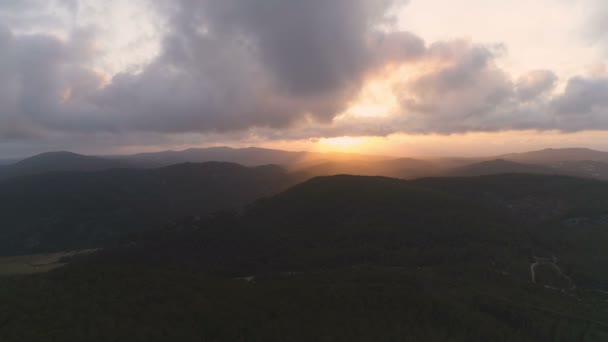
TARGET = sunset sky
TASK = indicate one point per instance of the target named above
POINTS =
(392, 77)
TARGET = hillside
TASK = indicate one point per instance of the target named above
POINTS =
(500, 166)
(430, 259)
(246, 156)
(252, 156)
(8, 161)
(73, 210)
(58, 161)
(585, 168)
(549, 156)
(305, 165)
(405, 168)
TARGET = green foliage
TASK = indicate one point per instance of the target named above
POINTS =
(76, 210)
(342, 259)
(135, 303)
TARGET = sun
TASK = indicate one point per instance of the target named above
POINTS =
(341, 143)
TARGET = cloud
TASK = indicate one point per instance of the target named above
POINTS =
(583, 105)
(535, 83)
(44, 84)
(36, 15)
(461, 87)
(596, 29)
(457, 87)
(278, 69)
(237, 64)
(223, 67)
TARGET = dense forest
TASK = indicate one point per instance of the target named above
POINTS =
(345, 258)
(75, 210)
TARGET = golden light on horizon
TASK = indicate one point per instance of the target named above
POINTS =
(341, 143)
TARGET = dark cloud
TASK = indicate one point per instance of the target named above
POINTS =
(462, 87)
(583, 96)
(535, 83)
(279, 68)
(583, 105)
(235, 64)
(43, 84)
(459, 88)
(224, 66)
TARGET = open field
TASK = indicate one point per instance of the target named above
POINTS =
(35, 263)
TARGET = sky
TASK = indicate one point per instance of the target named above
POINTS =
(392, 77)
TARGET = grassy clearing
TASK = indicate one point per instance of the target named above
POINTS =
(35, 263)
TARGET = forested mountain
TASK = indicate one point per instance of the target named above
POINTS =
(549, 156)
(58, 161)
(584, 168)
(244, 156)
(405, 168)
(575, 162)
(66, 210)
(251, 156)
(501, 166)
(8, 161)
(495, 258)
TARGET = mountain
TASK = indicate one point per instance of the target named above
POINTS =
(405, 168)
(8, 161)
(58, 161)
(349, 259)
(550, 156)
(409, 168)
(251, 156)
(73, 210)
(585, 168)
(578, 162)
(501, 166)
(246, 156)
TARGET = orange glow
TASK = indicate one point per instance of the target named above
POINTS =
(341, 143)
(382, 91)
(66, 95)
(376, 99)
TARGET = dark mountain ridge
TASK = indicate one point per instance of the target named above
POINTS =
(58, 161)
(431, 259)
(64, 210)
(576, 162)
(550, 155)
(246, 156)
(502, 166)
(251, 156)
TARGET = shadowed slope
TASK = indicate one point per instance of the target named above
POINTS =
(56, 211)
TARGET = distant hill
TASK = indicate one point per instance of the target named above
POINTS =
(246, 156)
(8, 161)
(585, 168)
(61, 210)
(252, 156)
(404, 168)
(501, 166)
(58, 161)
(549, 156)
(305, 165)
(409, 168)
